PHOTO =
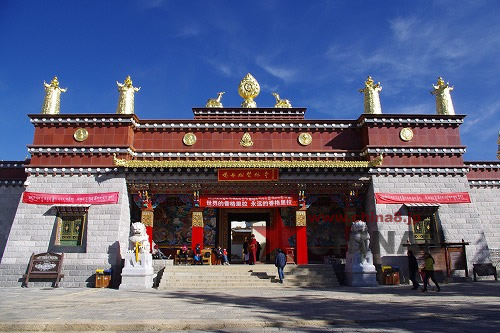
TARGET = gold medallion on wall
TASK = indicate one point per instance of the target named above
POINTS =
(246, 140)
(189, 139)
(81, 134)
(305, 139)
(406, 134)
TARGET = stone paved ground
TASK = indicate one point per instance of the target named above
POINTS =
(461, 307)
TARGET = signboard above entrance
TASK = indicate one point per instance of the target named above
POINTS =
(249, 202)
(247, 174)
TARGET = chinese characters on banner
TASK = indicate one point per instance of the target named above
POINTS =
(444, 198)
(247, 175)
(84, 198)
(249, 202)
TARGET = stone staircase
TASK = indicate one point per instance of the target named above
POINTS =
(246, 276)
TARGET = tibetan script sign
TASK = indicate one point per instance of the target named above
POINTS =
(84, 198)
(245, 175)
(249, 202)
(444, 198)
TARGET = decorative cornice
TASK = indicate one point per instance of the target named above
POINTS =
(11, 183)
(78, 150)
(418, 171)
(402, 120)
(240, 164)
(228, 125)
(414, 151)
(70, 171)
(94, 119)
(484, 183)
(12, 165)
(483, 165)
(244, 154)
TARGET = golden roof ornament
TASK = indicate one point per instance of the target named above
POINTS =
(281, 103)
(498, 142)
(372, 98)
(215, 102)
(444, 104)
(126, 97)
(52, 101)
(248, 89)
(246, 140)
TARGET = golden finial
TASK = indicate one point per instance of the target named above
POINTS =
(498, 142)
(52, 100)
(249, 89)
(215, 102)
(372, 98)
(281, 103)
(444, 104)
(246, 140)
(126, 97)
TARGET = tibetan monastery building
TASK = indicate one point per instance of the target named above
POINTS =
(296, 183)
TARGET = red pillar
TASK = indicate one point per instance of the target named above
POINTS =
(301, 237)
(197, 229)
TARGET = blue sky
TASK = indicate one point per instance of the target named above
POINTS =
(317, 54)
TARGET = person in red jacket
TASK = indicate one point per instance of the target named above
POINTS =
(252, 250)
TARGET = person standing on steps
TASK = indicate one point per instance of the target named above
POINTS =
(280, 263)
(252, 250)
(245, 251)
(429, 272)
(413, 269)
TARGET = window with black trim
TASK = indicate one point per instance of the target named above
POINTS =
(71, 228)
(424, 228)
(424, 224)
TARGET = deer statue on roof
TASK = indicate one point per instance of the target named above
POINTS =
(281, 103)
(215, 102)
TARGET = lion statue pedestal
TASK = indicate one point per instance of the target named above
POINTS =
(359, 268)
(138, 270)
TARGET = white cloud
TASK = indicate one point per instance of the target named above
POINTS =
(402, 27)
(188, 31)
(224, 69)
(150, 4)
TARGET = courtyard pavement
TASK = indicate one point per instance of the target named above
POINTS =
(462, 307)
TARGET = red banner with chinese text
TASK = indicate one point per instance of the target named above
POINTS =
(245, 175)
(444, 198)
(84, 198)
(249, 202)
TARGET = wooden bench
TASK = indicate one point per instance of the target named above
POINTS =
(484, 270)
(45, 266)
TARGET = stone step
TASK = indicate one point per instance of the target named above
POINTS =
(246, 276)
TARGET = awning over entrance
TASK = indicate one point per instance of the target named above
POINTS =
(422, 208)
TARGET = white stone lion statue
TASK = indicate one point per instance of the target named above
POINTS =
(359, 239)
(138, 231)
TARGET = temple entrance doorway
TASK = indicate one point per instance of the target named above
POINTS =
(241, 225)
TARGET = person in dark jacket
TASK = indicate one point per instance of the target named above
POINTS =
(280, 263)
(197, 259)
(413, 268)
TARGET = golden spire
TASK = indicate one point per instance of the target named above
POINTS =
(249, 89)
(498, 142)
(444, 104)
(372, 97)
(52, 101)
(126, 97)
(215, 102)
(281, 103)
